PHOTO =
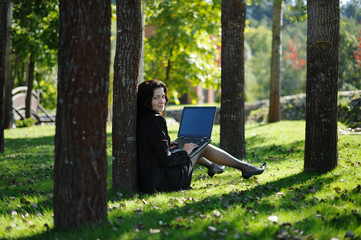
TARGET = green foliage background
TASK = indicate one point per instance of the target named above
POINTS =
(183, 47)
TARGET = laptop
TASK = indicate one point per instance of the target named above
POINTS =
(196, 127)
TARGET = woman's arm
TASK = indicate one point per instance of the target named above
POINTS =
(160, 144)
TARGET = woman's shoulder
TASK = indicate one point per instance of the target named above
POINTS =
(153, 116)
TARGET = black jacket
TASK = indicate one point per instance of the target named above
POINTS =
(158, 168)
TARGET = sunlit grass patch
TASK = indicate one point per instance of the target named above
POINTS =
(282, 203)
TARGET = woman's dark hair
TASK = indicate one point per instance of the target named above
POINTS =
(145, 95)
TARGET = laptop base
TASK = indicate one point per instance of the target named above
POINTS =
(202, 143)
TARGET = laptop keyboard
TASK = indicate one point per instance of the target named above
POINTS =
(183, 141)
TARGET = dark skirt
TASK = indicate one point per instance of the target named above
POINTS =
(165, 179)
(177, 178)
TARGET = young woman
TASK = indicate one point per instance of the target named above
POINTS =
(159, 170)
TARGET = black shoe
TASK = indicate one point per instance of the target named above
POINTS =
(247, 175)
(216, 169)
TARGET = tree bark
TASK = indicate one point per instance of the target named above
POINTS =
(321, 152)
(141, 67)
(275, 83)
(9, 84)
(29, 84)
(4, 13)
(8, 77)
(126, 73)
(232, 118)
(80, 170)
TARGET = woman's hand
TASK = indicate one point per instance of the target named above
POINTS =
(188, 147)
(173, 145)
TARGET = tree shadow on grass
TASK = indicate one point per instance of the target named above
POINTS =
(14, 145)
(28, 169)
(273, 152)
(191, 218)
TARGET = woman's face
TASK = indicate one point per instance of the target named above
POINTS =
(158, 100)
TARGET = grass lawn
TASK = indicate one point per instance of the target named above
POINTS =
(282, 203)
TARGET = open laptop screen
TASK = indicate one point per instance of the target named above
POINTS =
(197, 122)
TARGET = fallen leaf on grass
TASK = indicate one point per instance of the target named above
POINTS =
(12, 212)
(280, 194)
(349, 234)
(217, 214)
(31, 224)
(153, 231)
(273, 218)
(138, 211)
(179, 219)
(320, 216)
(212, 229)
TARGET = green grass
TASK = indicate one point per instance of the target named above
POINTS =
(306, 206)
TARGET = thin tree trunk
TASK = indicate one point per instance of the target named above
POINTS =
(5, 8)
(9, 85)
(8, 78)
(80, 170)
(126, 73)
(20, 74)
(168, 68)
(275, 83)
(30, 84)
(141, 68)
(321, 94)
(232, 118)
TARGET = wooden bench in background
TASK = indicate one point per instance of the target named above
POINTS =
(38, 112)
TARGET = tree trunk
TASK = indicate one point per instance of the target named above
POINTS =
(4, 13)
(232, 118)
(8, 77)
(141, 68)
(9, 85)
(275, 83)
(80, 170)
(126, 73)
(168, 68)
(29, 84)
(321, 94)
(20, 74)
